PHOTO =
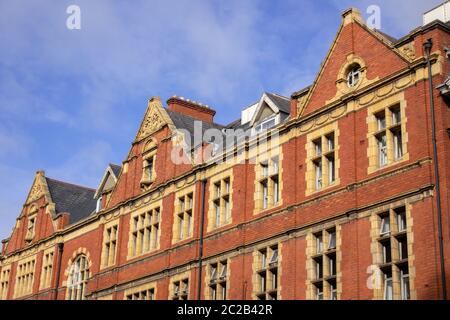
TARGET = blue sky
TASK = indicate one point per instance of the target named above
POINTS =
(71, 100)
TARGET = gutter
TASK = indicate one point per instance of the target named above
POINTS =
(200, 253)
(58, 274)
(427, 45)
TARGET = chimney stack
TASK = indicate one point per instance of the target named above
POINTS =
(191, 108)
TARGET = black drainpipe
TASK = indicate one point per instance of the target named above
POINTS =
(58, 273)
(427, 48)
(200, 253)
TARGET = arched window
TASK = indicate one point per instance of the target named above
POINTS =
(78, 276)
(353, 75)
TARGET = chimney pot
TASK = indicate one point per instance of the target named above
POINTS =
(191, 108)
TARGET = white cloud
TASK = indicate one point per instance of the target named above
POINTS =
(85, 166)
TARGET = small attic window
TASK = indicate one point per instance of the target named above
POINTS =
(353, 75)
(266, 124)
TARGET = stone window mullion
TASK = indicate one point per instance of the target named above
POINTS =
(152, 243)
(222, 210)
(270, 193)
(185, 225)
(396, 282)
(390, 146)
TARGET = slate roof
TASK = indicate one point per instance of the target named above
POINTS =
(182, 121)
(76, 200)
(116, 169)
(283, 103)
(385, 35)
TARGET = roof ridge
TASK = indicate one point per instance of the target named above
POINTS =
(71, 184)
(278, 95)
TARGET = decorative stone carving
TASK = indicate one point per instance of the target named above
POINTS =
(151, 123)
(155, 118)
(409, 51)
(39, 188)
(35, 193)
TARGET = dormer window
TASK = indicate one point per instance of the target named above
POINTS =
(353, 76)
(266, 124)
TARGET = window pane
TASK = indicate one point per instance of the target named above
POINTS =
(401, 220)
(332, 240)
(385, 225)
(382, 150)
(381, 121)
(217, 213)
(189, 225)
(396, 115)
(330, 142)
(402, 248)
(213, 273)
(223, 273)
(318, 147)
(319, 268)
(181, 225)
(331, 170)
(274, 258)
(398, 150)
(388, 288)
(263, 259)
(227, 210)
(404, 284)
(319, 292)
(265, 195)
(217, 187)
(275, 191)
(319, 244)
(386, 250)
(332, 265)
(265, 169)
(318, 169)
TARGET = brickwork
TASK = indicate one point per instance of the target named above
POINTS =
(361, 191)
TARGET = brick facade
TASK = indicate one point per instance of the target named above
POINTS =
(348, 206)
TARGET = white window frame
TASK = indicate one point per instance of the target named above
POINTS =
(388, 289)
(354, 76)
(385, 219)
(263, 125)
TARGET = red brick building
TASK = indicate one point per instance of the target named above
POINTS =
(331, 194)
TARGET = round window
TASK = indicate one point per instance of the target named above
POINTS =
(353, 76)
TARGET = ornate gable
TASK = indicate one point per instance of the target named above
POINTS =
(39, 189)
(354, 44)
(155, 118)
